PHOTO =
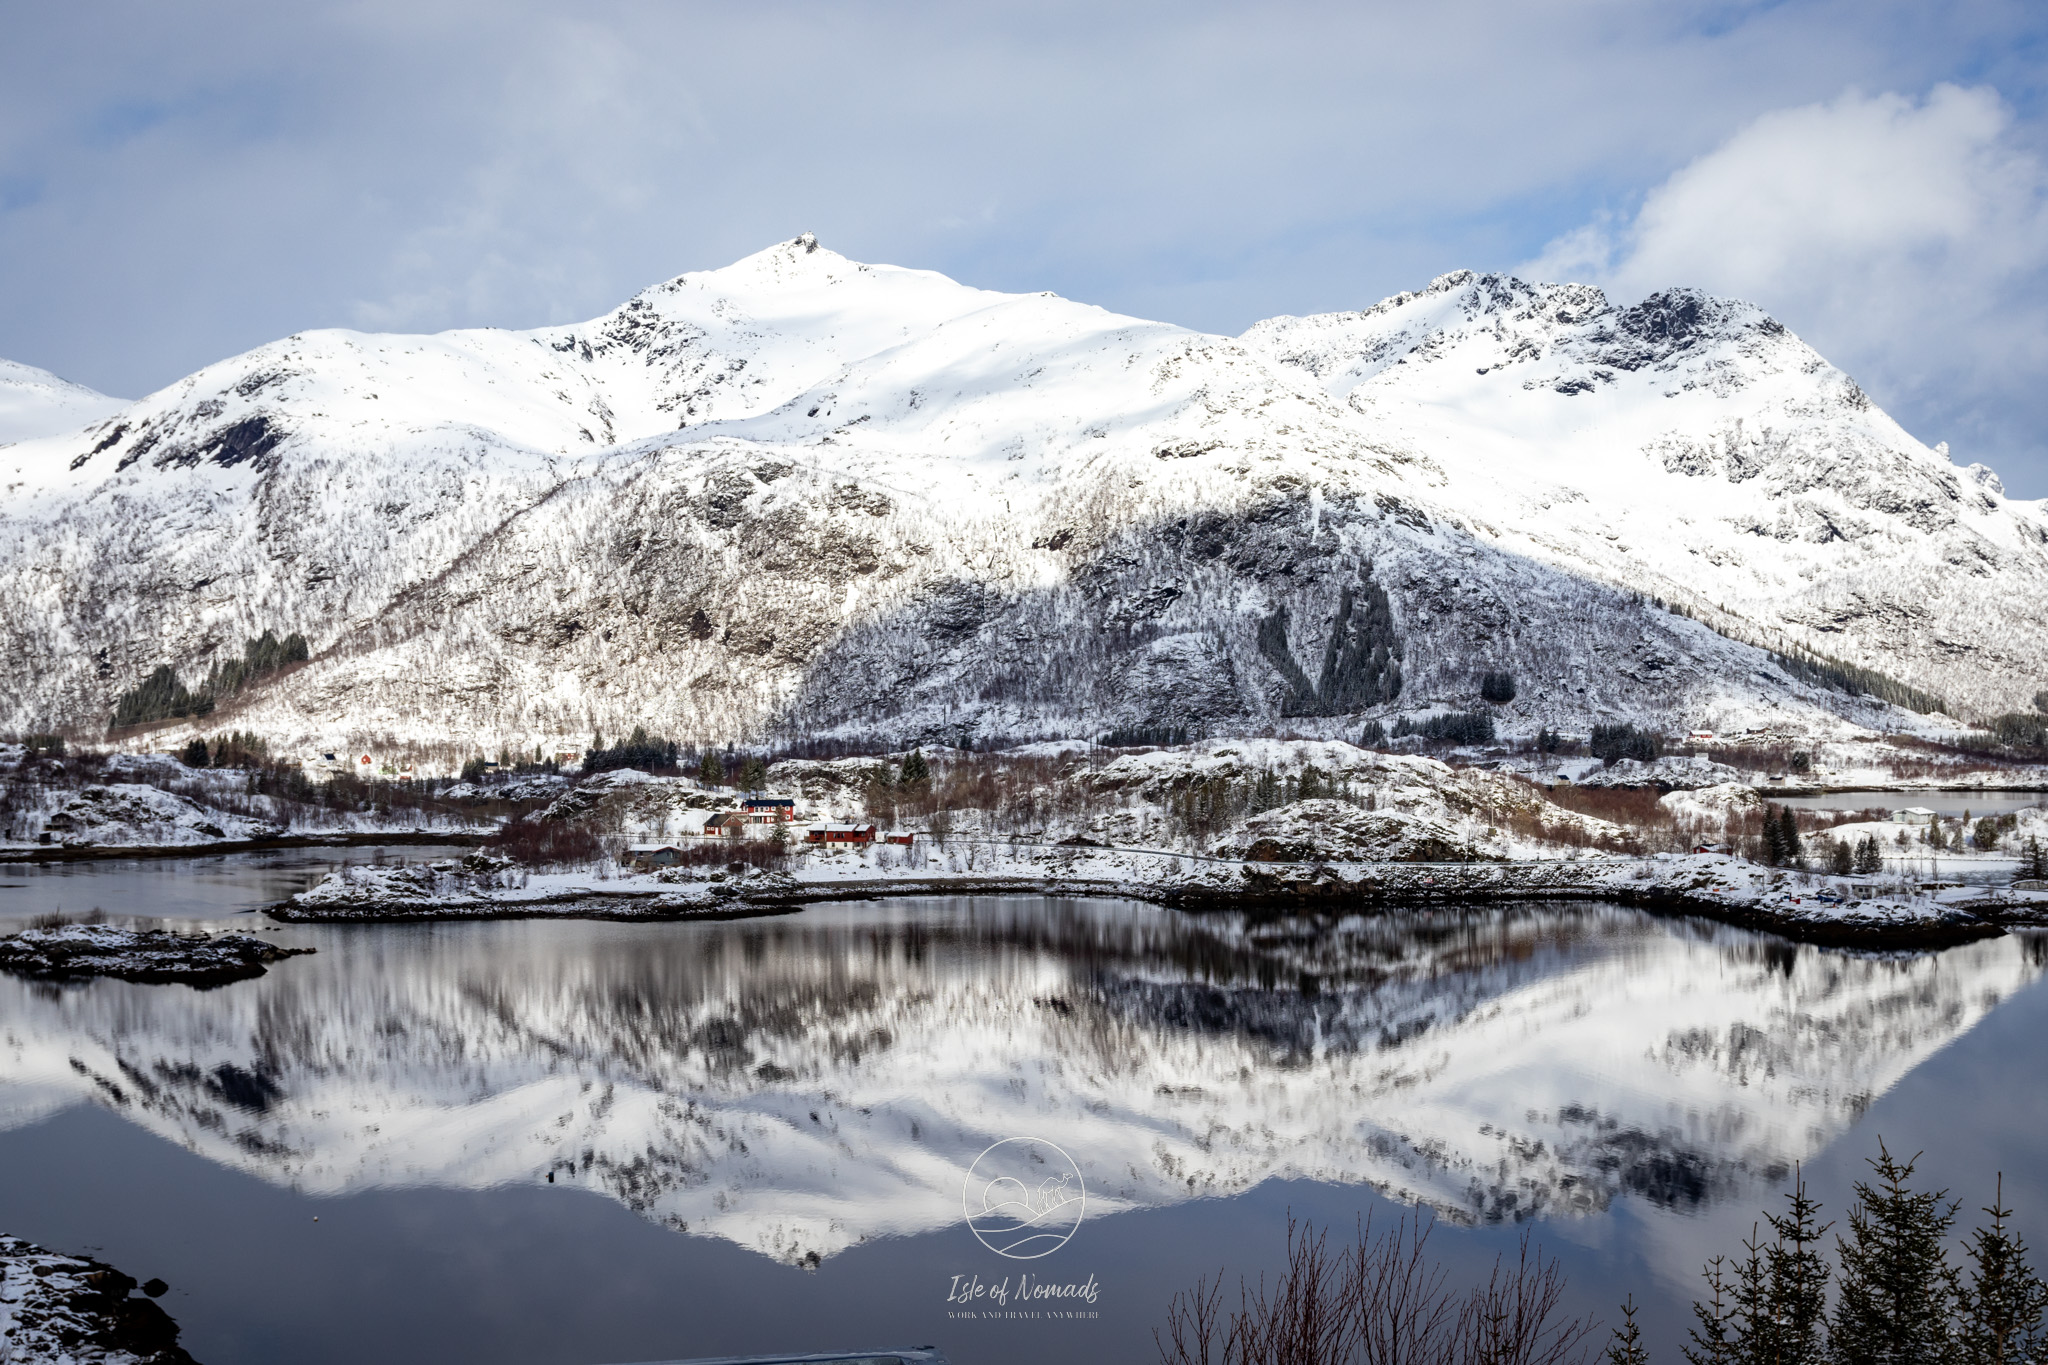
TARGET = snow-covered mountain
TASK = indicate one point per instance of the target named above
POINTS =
(799, 1086)
(802, 493)
(37, 403)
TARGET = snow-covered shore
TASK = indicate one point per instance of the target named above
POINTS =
(73, 1310)
(1866, 912)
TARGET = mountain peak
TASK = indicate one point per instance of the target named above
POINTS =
(35, 403)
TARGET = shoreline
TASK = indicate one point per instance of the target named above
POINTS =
(53, 853)
(1876, 925)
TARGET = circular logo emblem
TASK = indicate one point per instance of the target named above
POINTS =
(1024, 1198)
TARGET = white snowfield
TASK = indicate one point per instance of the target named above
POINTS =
(806, 494)
(1512, 1064)
(35, 403)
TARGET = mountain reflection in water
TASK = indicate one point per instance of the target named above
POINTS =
(801, 1084)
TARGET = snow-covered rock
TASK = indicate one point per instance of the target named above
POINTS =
(802, 494)
(1337, 831)
(74, 1310)
(1711, 806)
(1672, 772)
(130, 813)
(155, 956)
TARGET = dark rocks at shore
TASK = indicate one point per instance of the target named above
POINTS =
(151, 956)
(58, 1307)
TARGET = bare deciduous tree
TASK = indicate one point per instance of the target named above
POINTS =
(1381, 1301)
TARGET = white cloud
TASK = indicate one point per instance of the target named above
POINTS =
(1906, 240)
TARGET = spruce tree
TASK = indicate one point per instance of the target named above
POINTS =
(1774, 837)
(1627, 1346)
(1769, 1308)
(915, 769)
(1788, 836)
(711, 771)
(1713, 1337)
(1798, 1280)
(2001, 1306)
(1898, 1291)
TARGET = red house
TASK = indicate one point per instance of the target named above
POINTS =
(770, 809)
(841, 834)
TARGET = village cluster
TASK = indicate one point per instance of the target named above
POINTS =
(759, 816)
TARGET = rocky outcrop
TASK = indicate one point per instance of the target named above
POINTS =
(73, 952)
(74, 1310)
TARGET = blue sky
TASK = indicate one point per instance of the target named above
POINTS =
(179, 183)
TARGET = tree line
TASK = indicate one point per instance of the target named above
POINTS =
(163, 695)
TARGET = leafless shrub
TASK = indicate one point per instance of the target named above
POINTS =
(545, 843)
(58, 919)
(1381, 1301)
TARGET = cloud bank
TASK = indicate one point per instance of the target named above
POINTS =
(1905, 239)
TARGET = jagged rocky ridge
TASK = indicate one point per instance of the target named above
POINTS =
(804, 494)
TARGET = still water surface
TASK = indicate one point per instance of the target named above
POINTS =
(1953, 804)
(759, 1130)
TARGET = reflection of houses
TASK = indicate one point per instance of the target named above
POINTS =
(769, 810)
(837, 833)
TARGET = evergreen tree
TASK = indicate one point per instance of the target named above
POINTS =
(1798, 1281)
(2034, 859)
(1898, 1291)
(1375, 736)
(1627, 1346)
(916, 771)
(1548, 741)
(1770, 1308)
(1712, 1337)
(194, 755)
(754, 773)
(1869, 857)
(2001, 1307)
(1774, 837)
(1788, 837)
(711, 769)
(1841, 858)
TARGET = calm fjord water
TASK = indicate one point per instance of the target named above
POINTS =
(760, 1131)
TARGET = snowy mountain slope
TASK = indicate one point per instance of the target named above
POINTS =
(37, 403)
(799, 1086)
(1694, 448)
(801, 493)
